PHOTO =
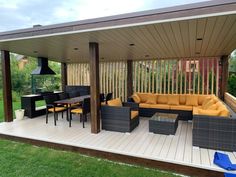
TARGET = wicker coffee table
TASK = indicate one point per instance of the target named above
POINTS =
(163, 123)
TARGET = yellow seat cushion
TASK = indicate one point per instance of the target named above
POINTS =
(136, 98)
(152, 99)
(159, 106)
(77, 111)
(173, 99)
(143, 97)
(72, 105)
(144, 105)
(195, 110)
(57, 109)
(181, 107)
(114, 102)
(224, 113)
(162, 99)
(134, 114)
(191, 100)
(208, 112)
(182, 99)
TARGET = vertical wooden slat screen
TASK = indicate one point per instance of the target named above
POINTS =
(199, 76)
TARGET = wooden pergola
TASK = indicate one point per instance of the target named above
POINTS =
(199, 30)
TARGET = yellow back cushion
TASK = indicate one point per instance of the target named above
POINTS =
(213, 107)
(152, 99)
(206, 100)
(192, 100)
(208, 104)
(162, 99)
(173, 99)
(201, 98)
(143, 97)
(136, 98)
(114, 102)
(182, 99)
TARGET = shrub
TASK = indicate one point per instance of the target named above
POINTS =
(232, 84)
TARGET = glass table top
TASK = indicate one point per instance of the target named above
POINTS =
(164, 117)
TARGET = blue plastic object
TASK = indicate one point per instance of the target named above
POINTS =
(223, 161)
(229, 175)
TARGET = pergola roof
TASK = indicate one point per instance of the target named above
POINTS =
(206, 29)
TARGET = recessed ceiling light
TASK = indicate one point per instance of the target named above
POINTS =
(131, 44)
(76, 48)
(199, 39)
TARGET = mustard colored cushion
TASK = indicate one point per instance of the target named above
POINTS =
(77, 111)
(114, 102)
(57, 109)
(181, 107)
(143, 97)
(134, 114)
(208, 104)
(213, 107)
(224, 113)
(195, 110)
(219, 104)
(136, 98)
(201, 99)
(173, 99)
(159, 106)
(206, 100)
(162, 99)
(208, 112)
(191, 100)
(144, 105)
(182, 99)
(151, 99)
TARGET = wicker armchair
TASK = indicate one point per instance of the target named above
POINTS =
(120, 118)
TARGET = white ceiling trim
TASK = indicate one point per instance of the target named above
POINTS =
(123, 26)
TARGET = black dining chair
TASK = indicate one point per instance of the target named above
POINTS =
(52, 107)
(73, 94)
(102, 98)
(82, 111)
(108, 97)
(63, 96)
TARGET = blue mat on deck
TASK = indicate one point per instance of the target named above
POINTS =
(229, 175)
(223, 161)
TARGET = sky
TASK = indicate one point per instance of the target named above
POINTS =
(18, 14)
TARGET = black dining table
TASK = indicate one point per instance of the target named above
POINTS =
(70, 101)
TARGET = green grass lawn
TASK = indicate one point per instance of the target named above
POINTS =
(19, 159)
(16, 105)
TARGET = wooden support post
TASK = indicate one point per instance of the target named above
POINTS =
(63, 76)
(129, 78)
(6, 78)
(94, 87)
(224, 76)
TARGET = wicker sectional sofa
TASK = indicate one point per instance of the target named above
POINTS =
(214, 123)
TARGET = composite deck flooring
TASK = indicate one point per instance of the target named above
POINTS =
(176, 148)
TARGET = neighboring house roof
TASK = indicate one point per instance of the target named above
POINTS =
(194, 30)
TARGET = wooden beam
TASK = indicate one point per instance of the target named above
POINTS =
(94, 87)
(129, 78)
(6, 78)
(224, 76)
(63, 76)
